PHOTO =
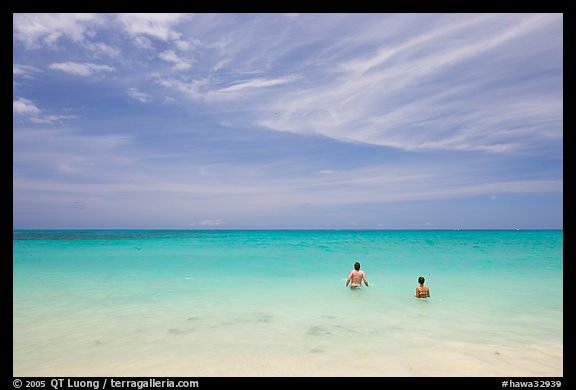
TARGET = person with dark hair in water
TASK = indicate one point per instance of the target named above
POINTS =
(422, 291)
(356, 277)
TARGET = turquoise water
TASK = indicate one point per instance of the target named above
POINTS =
(273, 303)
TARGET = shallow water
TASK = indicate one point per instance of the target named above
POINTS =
(273, 303)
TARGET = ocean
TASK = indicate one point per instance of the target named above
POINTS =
(274, 303)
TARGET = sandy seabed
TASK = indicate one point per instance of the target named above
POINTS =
(452, 360)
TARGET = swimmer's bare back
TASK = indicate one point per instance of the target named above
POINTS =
(355, 279)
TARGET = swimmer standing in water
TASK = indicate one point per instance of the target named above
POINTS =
(422, 291)
(356, 277)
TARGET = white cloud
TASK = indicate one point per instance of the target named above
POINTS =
(24, 71)
(142, 97)
(210, 222)
(169, 55)
(102, 49)
(50, 119)
(183, 45)
(180, 66)
(257, 83)
(192, 90)
(36, 29)
(142, 42)
(179, 63)
(80, 69)
(24, 106)
(220, 65)
(27, 109)
(157, 25)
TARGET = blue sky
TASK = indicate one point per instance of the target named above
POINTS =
(203, 121)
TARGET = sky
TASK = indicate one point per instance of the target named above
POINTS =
(288, 121)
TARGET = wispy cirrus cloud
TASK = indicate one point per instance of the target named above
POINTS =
(24, 71)
(412, 97)
(257, 83)
(81, 69)
(67, 151)
(424, 90)
(50, 118)
(204, 90)
(239, 189)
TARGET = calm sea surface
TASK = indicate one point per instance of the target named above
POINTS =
(273, 303)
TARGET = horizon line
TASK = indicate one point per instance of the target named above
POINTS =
(263, 229)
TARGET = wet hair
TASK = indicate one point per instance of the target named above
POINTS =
(356, 266)
(421, 280)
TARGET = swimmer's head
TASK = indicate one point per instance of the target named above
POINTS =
(421, 280)
(357, 266)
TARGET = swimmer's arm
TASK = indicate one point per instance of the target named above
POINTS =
(364, 279)
(428, 291)
(416, 293)
(349, 278)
